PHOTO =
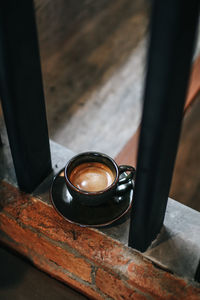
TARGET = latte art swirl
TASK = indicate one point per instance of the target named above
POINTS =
(92, 176)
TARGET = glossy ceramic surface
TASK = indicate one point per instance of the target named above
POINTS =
(93, 216)
(99, 197)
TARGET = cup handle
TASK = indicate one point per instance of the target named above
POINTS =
(127, 178)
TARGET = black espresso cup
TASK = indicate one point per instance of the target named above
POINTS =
(93, 178)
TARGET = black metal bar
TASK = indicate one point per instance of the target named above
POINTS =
(173, 27)
(1, 143)
(197, 274)
(22, 93)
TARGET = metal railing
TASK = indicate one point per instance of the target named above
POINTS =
(22, 93)
(172, 38)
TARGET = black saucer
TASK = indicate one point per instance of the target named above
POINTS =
(91, 216)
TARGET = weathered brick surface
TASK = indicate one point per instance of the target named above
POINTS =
(89, 242)
(159, 283)
(89, 290)
(35, 243)
(83, 257)
(115, 287)
(46, 265)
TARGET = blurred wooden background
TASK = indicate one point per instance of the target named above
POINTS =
(92, 55)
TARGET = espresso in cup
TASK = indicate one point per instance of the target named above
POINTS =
(92, 176)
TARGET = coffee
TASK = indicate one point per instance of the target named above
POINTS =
(92, 176)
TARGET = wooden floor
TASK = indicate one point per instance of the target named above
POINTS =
(185, 186)
(92, 59)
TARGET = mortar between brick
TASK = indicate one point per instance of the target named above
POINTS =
(63, 245)
(137, 259)
(120, 269)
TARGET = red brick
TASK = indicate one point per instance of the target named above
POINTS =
(87, 241)
(115, 287)
(57, 273)
(159, 283)
(115, 259)
(42, 247)
(86, 289)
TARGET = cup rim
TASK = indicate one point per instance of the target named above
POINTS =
(94, 153)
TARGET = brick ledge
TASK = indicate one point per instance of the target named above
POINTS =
(84, 258)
